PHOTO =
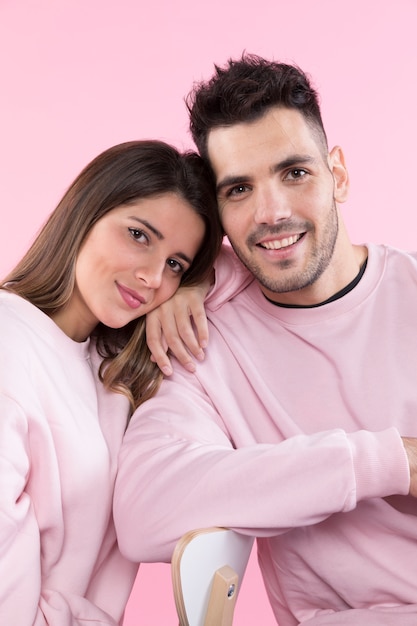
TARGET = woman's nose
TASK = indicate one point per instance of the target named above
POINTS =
(151, 274)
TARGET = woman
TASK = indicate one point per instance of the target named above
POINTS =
(139, 220)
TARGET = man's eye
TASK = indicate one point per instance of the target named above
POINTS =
(237, 190)
(138, 235)
(296, 174)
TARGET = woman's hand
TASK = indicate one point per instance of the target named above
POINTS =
(180, 325)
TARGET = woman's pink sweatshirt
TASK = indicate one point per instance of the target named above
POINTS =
(290, 430)
(60, 434)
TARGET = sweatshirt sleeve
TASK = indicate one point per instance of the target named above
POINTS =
(230, 277)
(25, 596)
(179, 470)
(19, 534)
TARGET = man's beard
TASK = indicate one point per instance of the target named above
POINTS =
(283, 280)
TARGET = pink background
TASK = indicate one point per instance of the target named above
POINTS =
(80, 75)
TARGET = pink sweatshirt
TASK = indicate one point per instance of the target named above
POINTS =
(293, 421)
(60, 434)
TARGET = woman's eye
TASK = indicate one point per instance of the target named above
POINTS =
(175, 266)
(138, 235)
(296, 174)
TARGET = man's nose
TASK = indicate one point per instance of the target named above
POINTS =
(272, 205)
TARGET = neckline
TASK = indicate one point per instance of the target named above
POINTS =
(375, 265)
(339, 294)
(43, 326)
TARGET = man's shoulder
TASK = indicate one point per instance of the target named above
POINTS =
(393, 269)
(231, 278)
(394, 254)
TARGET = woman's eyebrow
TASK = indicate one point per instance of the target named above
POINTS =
(160, 236)
(155, 231)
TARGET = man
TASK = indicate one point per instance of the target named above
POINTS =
(291, 428)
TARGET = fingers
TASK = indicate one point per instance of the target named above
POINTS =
(180, 325)
(156, 342)
(192, 326)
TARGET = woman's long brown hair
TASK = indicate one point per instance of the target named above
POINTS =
(122, 174)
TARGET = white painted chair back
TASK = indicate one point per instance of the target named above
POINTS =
(208, 566)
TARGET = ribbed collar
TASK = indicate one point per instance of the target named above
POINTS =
(311, 315)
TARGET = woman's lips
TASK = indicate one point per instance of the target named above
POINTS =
(131, 297)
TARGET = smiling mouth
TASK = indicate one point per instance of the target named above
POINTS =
(131, 298)
(278, 244)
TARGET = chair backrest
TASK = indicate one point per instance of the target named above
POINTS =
(207, 569)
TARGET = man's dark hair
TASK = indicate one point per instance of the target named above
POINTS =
(244, 90)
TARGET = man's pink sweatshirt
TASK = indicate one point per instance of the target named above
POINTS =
(290, 430)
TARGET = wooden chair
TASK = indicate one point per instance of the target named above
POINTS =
(207, 568)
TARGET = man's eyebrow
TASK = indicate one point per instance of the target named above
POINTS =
(160, 236)
(291, 161)
(229, 181)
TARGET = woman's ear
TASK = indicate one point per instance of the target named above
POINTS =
(340, 174)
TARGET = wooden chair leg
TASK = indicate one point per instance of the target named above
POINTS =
(222, 599)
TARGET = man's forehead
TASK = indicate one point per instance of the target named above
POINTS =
(276, 136)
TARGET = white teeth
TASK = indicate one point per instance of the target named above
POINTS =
(281, 243)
